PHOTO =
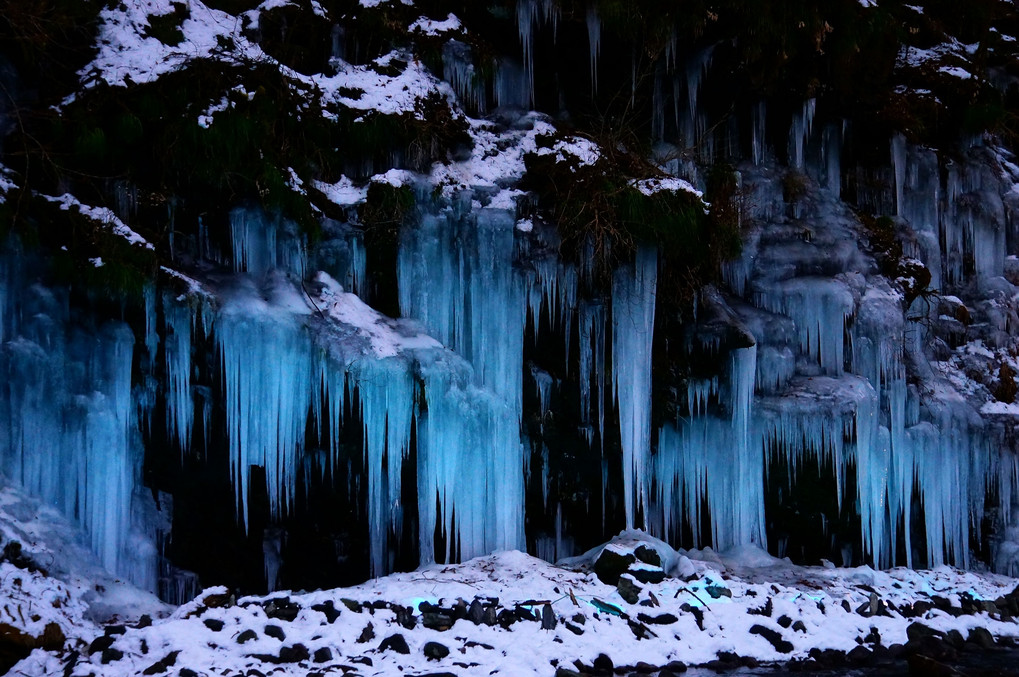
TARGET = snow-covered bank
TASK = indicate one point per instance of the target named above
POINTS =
(510, 613)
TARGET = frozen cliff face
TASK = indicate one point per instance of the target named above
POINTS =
(846, 388)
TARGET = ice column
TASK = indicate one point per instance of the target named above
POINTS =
(633, 319)
(799, 135)
(715, 461)
(177, 347)
(594, 40)
(268, 375)
(819, 307)
(457, 277)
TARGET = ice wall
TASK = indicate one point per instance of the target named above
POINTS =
(71, 431)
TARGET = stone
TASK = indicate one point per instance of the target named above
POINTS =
(548, 619)
(859, 655)
(247, 636)
(475, 612)
(603, 662)
(213, 624)
(645, 575)
(161, 666)
(281, 608)
(660, 619)
(327, 608)
(611, 564)
(275, 631)
(98, 644)
(774, 637)
(367, 635)
(435, 651)
(111, 655)
(982, 637)
(916, 631)
(436, 621)
(648, 555)
(718, 591)
(628, 589)
(395, 642)
(219, 601)
(294, 654)
(322, 655)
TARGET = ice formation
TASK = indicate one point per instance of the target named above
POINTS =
(828, 371)
(72, 436)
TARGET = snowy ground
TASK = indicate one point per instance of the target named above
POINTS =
(508, 613)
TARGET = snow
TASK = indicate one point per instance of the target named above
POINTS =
(387, 337)
(101, 215)
(433, 28)
(956, 72)
(127, 56)
(343, 192)
(497, 158)
(88, 593)
(670, 184)
(713, 601)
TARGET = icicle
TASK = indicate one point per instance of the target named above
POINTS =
(799, 136)
(633, 312)
(261, 244)
(594, 41)
(468, 443)
(458, 279)
(458, 70)
(151, 330)
(831, 149)
(758, 127)
(177, 346)
(267, 371)
(717, 462)
(820, 308)
(529, 14)
(543, 385)
(272, 546)
(386, 389)
(899, 166)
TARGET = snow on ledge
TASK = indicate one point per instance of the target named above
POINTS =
(434, 28)
(671, 184)
(102, 215)
(387, 337)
